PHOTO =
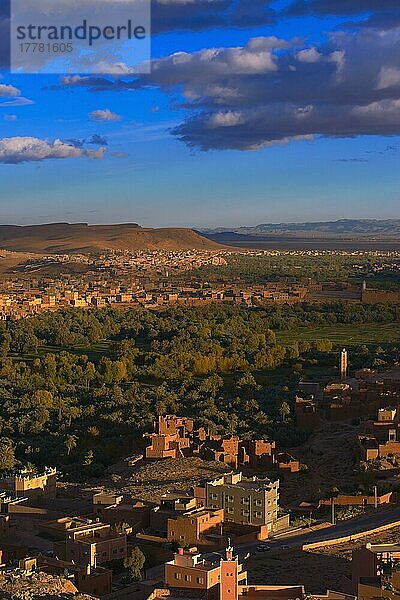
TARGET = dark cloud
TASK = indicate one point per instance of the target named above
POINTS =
(252, 129)
(197, 15)
(382, 20)
(273, 91)
(379, 14)
(95, 140)
(341, 7)
(252, 98)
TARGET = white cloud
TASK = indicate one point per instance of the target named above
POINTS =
(104, 115)
(8, 91)
(20, 101)
(226, 119)
(17, 150)
(309, 55)
(388, 77)
(272, 90)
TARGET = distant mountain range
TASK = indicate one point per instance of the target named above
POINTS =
(341, 229)
(59, 238)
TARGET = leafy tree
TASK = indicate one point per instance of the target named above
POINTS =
(134, 562)
(7, 455)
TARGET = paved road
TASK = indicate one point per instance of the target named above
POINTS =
(295, 540)
(344, 528)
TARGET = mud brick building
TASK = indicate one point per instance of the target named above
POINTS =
(171, 439)
(209, 580)
(94, 544)
(171, 506)
(176, 437)
(375, 571)
(31, 485)
(113, 509)
(358, 397)
(381, 437)
(193, 527)
(189, 576)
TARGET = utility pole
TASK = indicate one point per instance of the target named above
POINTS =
(376, 496)
(333, 520)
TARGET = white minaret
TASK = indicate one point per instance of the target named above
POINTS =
(343, 365)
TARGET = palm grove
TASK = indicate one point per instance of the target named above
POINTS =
(79, 388)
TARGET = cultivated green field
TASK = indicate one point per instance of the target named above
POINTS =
(371, 333)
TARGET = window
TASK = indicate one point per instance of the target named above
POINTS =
(172, 533)
(188, 578)
(214, 496)
(177, 576)
(245, 500)
(230, 511)
(258, 502)
(200, 580)
(245, 513)
(258, 514)
(229, 498)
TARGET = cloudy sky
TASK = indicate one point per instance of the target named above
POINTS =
(254, 111)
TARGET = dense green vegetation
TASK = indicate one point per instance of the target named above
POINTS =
(79, 388)
(260, 269)
(369, 333)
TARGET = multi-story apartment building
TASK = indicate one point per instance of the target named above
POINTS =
(245, 501)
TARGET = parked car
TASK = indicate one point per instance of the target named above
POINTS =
(263, 548)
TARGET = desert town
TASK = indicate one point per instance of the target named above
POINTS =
(148, 279)
(220, 536)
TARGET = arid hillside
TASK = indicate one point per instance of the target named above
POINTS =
(57, 238)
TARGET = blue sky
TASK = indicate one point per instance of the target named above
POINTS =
(292, 117)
